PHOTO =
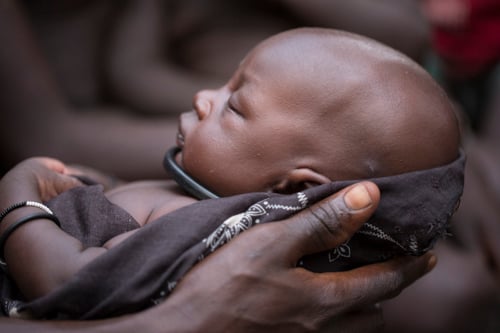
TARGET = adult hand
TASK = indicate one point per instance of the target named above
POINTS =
(253, 284)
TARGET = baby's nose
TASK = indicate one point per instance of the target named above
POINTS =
(202, 104)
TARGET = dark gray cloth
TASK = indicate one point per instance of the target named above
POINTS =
(414, 212)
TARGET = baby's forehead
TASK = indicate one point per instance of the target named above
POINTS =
(317, 61)
(328, 48)
(300, 65)
(324, 50)
(336, 70)
(354, 83)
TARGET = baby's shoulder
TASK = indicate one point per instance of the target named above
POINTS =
(148, 200)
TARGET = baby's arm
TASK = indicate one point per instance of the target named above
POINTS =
(39, 255)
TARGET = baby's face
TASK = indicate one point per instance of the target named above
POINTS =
(238, 138)
(338, 107)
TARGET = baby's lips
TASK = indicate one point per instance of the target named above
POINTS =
(180, 140)
(187, 121)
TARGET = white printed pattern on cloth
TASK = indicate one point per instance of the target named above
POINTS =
(238, 223)
(243, 221)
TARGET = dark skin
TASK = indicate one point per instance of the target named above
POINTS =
(489, 235)
(69, 68)
(340, 94)
(192, 44)
(237, 277)
(467, 279)
(57, 126)
(253, 107)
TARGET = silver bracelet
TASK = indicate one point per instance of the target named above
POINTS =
(27, 203)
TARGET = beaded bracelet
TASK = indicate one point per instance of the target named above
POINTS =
(27, 203)
(11, 228)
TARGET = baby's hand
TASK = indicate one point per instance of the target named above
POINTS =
(107, 180)
(38, 178)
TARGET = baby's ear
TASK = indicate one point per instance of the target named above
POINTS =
(300, 179)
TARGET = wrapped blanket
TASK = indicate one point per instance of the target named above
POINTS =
(414, 212)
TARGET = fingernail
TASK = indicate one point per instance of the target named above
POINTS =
(358, 198)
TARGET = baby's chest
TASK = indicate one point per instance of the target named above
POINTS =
(148, 200)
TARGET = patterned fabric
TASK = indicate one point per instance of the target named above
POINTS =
(414, 212)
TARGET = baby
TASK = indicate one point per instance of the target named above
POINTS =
(305, 107)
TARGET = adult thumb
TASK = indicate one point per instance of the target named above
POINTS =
(332, 221)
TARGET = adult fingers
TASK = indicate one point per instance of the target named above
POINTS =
(372, 283)
(330, 222)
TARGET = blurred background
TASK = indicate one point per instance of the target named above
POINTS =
(101, 84)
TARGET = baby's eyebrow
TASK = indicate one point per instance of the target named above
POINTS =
(243, 78)
(236, 80)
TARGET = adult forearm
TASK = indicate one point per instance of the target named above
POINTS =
(238, 289)
(128, 147)
(143, 76)
(124, 146)
(37, 120)
(159, 88)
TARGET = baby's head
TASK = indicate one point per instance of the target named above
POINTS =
(311, 106)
